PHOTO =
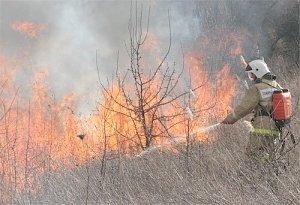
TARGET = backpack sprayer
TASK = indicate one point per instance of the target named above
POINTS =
(282, 107)
(281, 113)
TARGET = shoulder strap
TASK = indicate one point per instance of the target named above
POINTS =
(262, 108)
(277, 87)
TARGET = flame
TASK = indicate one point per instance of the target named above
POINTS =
(29, 29)
(209, 95)
(39, 134)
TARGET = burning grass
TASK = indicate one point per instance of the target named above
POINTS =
(40, 135)
(216, 173)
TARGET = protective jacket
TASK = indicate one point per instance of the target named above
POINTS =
(258, 100)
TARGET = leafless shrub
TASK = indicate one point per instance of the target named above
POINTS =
(149, 98)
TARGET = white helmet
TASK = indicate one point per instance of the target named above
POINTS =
(258, 67)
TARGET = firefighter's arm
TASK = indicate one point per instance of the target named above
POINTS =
(248, 103)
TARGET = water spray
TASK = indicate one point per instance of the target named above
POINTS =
(179, 139)
(206, 129)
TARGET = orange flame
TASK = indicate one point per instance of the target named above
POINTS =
(39, 134)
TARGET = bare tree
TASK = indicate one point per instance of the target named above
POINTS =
(144, 101)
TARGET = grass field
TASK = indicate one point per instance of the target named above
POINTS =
(213, 173)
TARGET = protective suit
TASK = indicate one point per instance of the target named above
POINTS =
(258, 100)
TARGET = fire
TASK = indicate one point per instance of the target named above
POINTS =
(210, 99)
(29, 29)
(39, 134)
(115, 128)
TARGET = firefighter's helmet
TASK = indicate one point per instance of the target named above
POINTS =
(258, 67)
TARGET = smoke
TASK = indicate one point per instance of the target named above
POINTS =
(76, 29)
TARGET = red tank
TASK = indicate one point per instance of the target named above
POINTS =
(282, 105)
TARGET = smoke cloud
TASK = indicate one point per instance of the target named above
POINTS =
(76, 29)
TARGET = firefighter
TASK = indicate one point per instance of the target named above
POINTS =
(258, 100)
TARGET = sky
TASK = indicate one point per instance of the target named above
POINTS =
(74, 30)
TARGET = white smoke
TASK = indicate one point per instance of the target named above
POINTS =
(75, 30)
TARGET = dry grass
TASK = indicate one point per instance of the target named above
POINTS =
(216, 173)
